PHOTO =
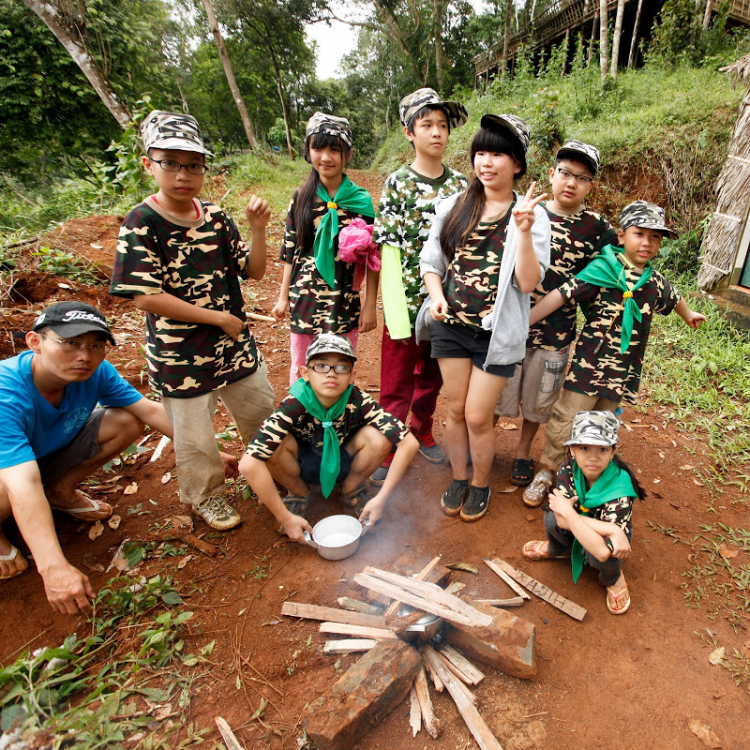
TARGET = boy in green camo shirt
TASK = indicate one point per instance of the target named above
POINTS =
(181, 259)
(578, 235)
(410, 379)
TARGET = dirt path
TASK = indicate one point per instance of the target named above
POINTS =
(605, 683)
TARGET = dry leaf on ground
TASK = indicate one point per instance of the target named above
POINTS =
(686, 467)
(508, 426)
(114, 522)
(90, 562)
(727, 552)
(96, 530)
(717, 655)
(167, 476)
(463, 566)
(131, 489)
(704, 734)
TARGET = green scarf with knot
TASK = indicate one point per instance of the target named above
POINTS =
(613, 484)
(330, 464)
(350, 198)
(608, 272)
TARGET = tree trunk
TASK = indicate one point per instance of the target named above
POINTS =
(247, 123)
(616, 39)
(506, 39)
(437, 20)
(533, 12)
(603, 41)
(282, 99)
(634, 40)
(707, 15)
(594, 26)
(76, 48)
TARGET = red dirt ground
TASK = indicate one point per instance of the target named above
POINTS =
(607, 683)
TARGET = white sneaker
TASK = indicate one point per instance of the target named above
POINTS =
(218, 514)
(536, 493)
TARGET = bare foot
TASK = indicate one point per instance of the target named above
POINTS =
(80, 506)
(11, 568)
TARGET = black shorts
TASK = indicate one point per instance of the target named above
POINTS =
(309, 464)
(460, 341)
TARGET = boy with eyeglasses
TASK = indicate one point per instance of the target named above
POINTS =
(326, 432)
(578, 235)
(181, 259)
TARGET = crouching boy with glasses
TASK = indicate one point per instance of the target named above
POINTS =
(325, 432)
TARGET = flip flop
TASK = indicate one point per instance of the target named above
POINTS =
(537, 550)
(522, 472)
(618, 603)
(9, 558)
(96, 506)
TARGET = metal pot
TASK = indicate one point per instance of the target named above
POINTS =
(424, 629)
(335, 537)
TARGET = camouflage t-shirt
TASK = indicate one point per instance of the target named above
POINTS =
(405, 215)
(313, 306)
(618, 512)
(576, 240)
(291, 418)
(598, 368)
(470, 287)
(201, 262)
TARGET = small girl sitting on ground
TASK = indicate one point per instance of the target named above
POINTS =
(317, 286)
(589, 513)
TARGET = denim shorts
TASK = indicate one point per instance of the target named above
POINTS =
(309, 464)
(460, 341)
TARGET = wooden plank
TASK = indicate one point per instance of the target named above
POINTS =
(477, 726)
(421, 576)
(415, 712)
(436, 681)
(516, 601)
(331, 614)
(430, 593)
(431, 724)
(341, 628)
(492, 564)
(349, 645)
(461, 683)
(474, 676)
(355, 605)
(543, 592)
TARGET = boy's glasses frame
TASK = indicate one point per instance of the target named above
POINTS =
(71, 346)
(581, 179)
(324, 367)
(170, 165)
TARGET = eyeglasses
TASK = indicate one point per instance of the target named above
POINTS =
(71, 346)
(322, 367)
(581, 179)
(169, 165)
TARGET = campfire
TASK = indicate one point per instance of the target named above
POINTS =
(427, 634)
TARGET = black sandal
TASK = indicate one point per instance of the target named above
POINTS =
(522, 472)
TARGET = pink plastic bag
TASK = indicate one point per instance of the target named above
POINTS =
(356, 246)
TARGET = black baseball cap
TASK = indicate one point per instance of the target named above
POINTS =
(71, 319)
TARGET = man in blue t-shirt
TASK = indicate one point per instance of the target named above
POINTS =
(64, 412)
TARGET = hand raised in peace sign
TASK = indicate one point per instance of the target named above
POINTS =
(524, 214)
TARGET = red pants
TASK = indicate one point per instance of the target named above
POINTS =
(410, 380)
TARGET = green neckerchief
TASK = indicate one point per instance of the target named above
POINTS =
(607, 271)
(350, 198)
(613, 484)
(330, 464)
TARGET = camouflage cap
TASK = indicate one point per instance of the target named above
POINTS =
(510, 122)
(594, 428)
(412, 103)
(330, 125)
(645, 215)
(580, 151)
(329, 343)
(172, 130)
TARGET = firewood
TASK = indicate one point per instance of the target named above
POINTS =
(355, 605)
(421, 576)
(472, 675)
(348, 645)
(331, 614)
(160, 448)
(516, 601)
(476, 724)
(436, 681)
(543, 592)
(415, 712)
(340, 628)
(460, 681)
(431, 724)
(493, 566)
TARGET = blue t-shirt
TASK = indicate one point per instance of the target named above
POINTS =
(30, 427)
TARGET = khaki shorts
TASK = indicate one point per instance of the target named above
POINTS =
(535, 384)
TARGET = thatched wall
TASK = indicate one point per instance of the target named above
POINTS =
(733, 189)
